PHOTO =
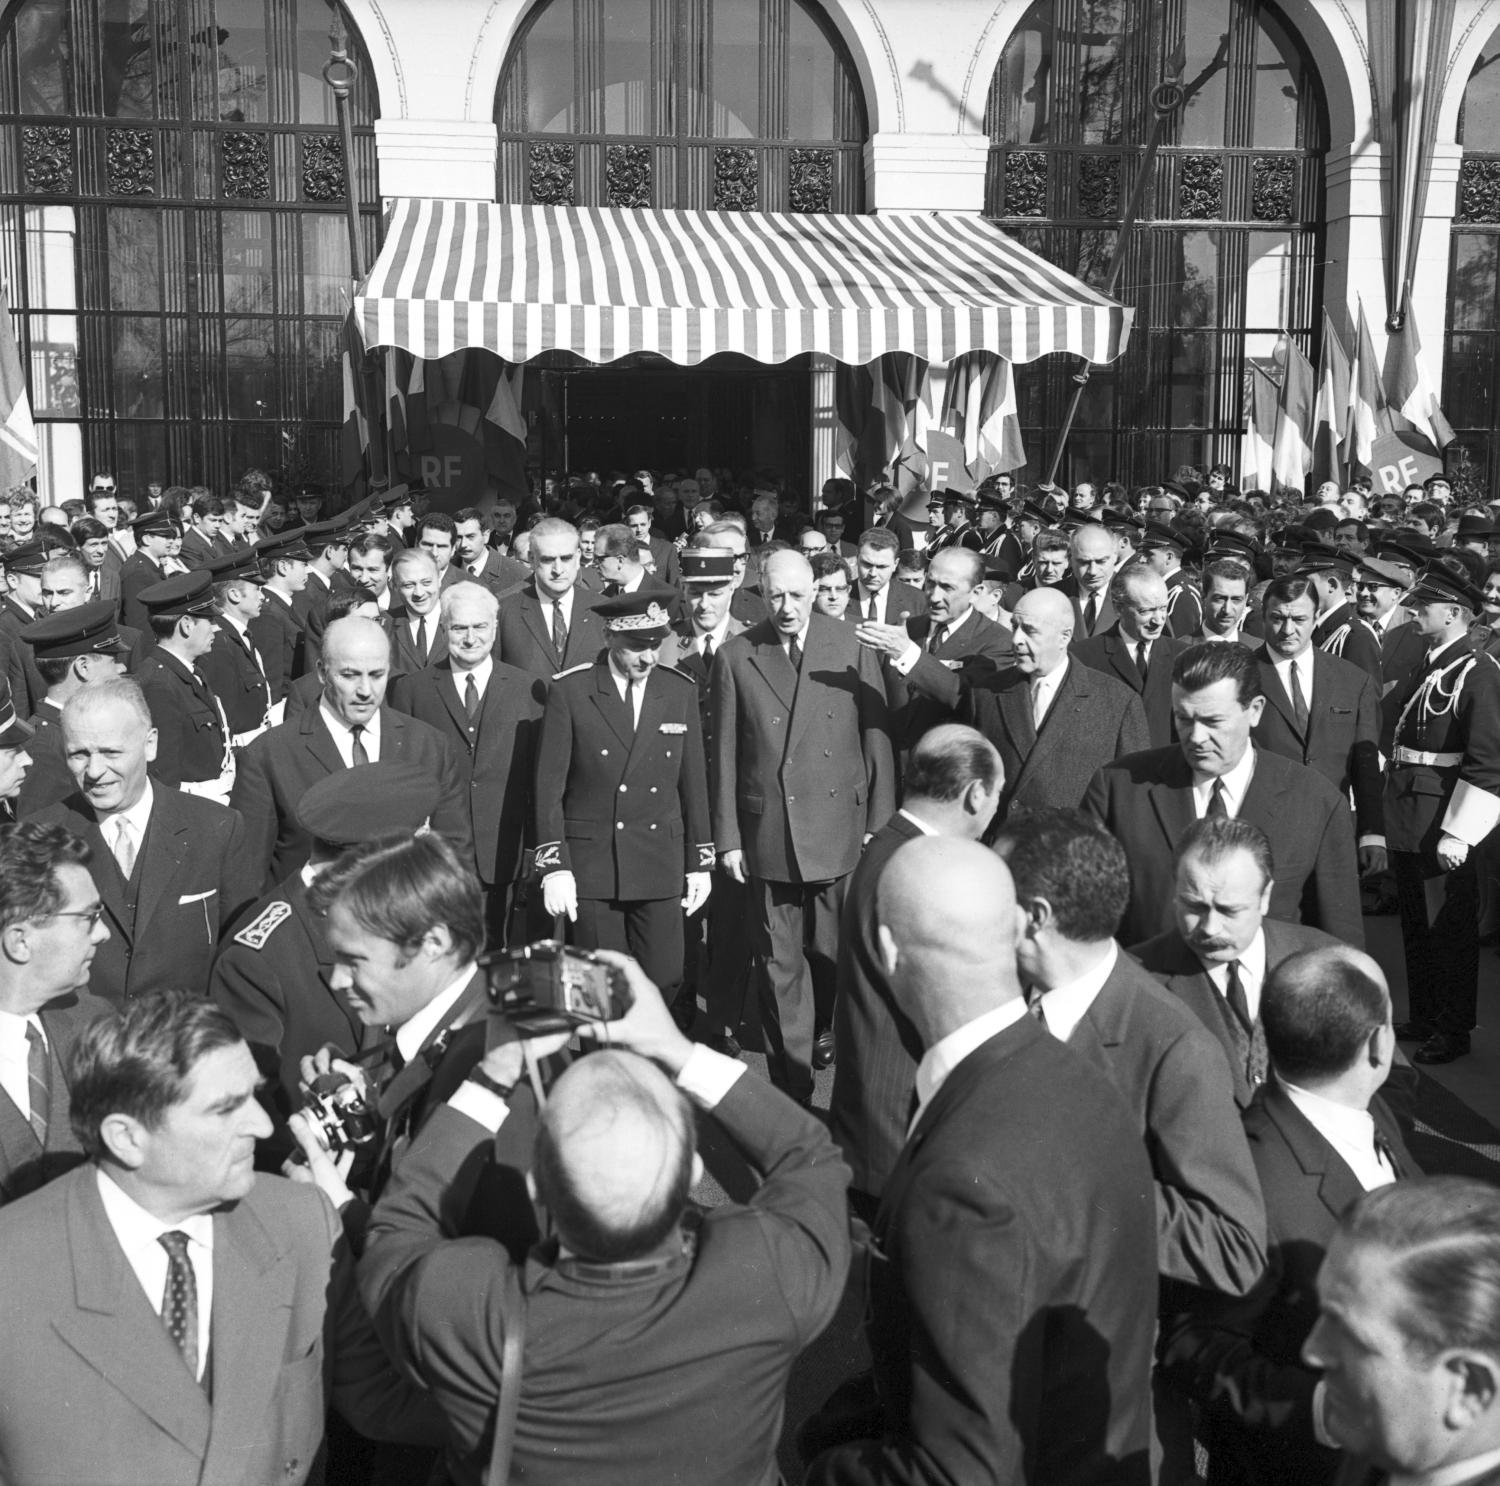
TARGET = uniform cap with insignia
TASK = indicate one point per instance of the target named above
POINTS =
(1440, 585)
(397, 495)
(1407, 550)
(285, 546)
(322, 535)
(1231, 544)
(958, 498)
(1038, 511)
(13, 732)
(88, 629)
(709, 566)
(27, 557)
(1390, 574)
(157, 523)
(1177, 488)
(182, 596)
(1160, 536)
(639, 614)
(991, 500)
(243, 564)
(1117, 519)
(1316, 558)
(935, 501)
(368, 801)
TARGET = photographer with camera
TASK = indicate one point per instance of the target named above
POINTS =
(610, 1354)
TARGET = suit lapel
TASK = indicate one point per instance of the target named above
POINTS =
(1172, 801)
(161, 854)
(1277, 696)
(1337, 1184)
(447, 689)
(319, 741)
(541, 631)
(653, 714)
(1071, 690)
(106, 874)
(1123, 663)
(771, 661)
(615, 709)
(818, 643)
(116, 1330)
(1264, 800)
(1015, 708)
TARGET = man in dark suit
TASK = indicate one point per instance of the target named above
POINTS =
(548, 625)
(1339, 630)
(1093, 555)
(415, 620)
(1222, 946)
(1148, 800)
(491, 715)
(1320, 1134)
(327, 573)
(931, 659)
(952, 785)
(1054, 720)
(49, 929)
(1048, 1377)
(803, 774)
(624, 841)
(201, 541)
(717, 1305)
(172, 870)
(1380, 584)
(876, 596)
(233, 667)
(1138, 649)
(483, 564)
(350, 725)
(277, 632)
(112, 1309)
(663, 553)
(154, 532)
(1164, 547)
(1321, 711)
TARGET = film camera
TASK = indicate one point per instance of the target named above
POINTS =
(547, 987)
(337, 1109)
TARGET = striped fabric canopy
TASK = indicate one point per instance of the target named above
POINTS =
(604, 282)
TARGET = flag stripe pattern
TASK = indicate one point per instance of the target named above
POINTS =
(18, 449)
(604, 282)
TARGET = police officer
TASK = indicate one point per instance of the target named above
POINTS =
(958, 529)
(234, 666)
(1000, 546)
(625, 842)
(1442, 798)
(274, 976)
(192, 738)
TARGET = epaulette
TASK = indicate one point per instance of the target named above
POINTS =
(254, 935)
(680, 675)
(587, 665)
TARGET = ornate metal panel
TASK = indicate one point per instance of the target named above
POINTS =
(130, 162)
(47, 151)
(1025, 183)
(1099, 185)
(1479, 189)
(736, 179)
(1200, 194)
(323, 168)
(246, 165)
(552, 168)
(628, 175)
(811, 186)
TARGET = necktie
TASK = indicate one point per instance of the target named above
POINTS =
(357, 754)
(1141, 656)
(124, 847)
(1249, 1038)
(1090, 614)
(708, 647)
(559, 629)
(1036, 702)
(939, 631)
(422, 638)
(1299, 698)
(471, 695)
(1235, 995)
(179, 1302)
(635, 690)
(1035, 1008)
(1384, 1151)
(794, 652)
(39, 1078)
(1218, 806)
(870, 608)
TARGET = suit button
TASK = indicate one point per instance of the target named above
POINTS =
(604, 753)
(622, 789)
(828, 753)
(832, 793)
(619, 825)
(653, 825)
(669, 753)
(653, 789)
(791, 799)
(830, 714)
(775, 721)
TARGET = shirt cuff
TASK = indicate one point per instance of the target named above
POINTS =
(1371, 840)
(482, 1105)
(708, 1076)
(904, 663)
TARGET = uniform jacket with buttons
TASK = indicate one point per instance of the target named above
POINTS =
(190, 742)
(496, 752)
(234, 671)
(278, 636)
(622, 806)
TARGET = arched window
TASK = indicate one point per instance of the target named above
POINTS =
(1471, 372)
(1228, 251)
(734, 105)
(173, 235)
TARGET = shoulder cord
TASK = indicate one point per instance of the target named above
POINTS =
(1435, 698)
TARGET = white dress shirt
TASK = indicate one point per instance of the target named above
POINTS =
(410, 1035)
(1064, 1006)
(1303, 665)
(432, 620)
(718, 634)
(800, 637)
(139, 1231)
(908, 658)
(921, 825)
(1044, 690)
(628, 691)
(15, 1052)
(1252, 974)
(481, 674)
(1236, 782)
(343, 735)
(138, 817)
(945, 1055)
(566, 601)
(243, 632)
(1351, 1132)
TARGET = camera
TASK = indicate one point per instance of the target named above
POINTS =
(547, 987)
(337, 1109)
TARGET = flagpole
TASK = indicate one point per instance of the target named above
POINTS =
(1166, 98)
(340, 72)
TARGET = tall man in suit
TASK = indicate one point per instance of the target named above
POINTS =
(931, 658)
(491, 715)
(1222, 946)
(1407, 1336)
(1054, 720)
(1148, 800)
(803, 775)
(171, 869)
(1138, 649)
(199, 1316)
(877, 596)
(1320, 1134)
(417, 637)
(1093, 554)
(350, 725)
(548, 626)
(50, 926)
(952, 787)
(1047, 1376)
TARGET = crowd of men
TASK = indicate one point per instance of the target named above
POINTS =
(1048, 822)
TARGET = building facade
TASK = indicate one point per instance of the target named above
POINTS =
(173, 199)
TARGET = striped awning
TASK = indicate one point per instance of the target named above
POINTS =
(604, 282)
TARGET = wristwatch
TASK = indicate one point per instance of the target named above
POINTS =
(478, 1076)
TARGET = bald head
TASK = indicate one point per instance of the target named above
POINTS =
(614, 1157)
(1043, 625)
(1092, 555)
(946, 911)
(354, 668)
(787, 585)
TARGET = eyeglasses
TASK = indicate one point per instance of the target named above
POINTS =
(90, 915)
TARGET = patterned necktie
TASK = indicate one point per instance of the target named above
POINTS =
(1299, 698)
(938, 635)
(471, 695)
(39, 1081)
(559, 629)
(124, 847)
(422, 638)
(1249, 1038)
(1218, 805)
(794, 653)
(357, 754)
(179, 1303)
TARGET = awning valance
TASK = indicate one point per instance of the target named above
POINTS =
(604, 282)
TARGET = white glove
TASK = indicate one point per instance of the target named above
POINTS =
(560, 894)
(699, 885)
